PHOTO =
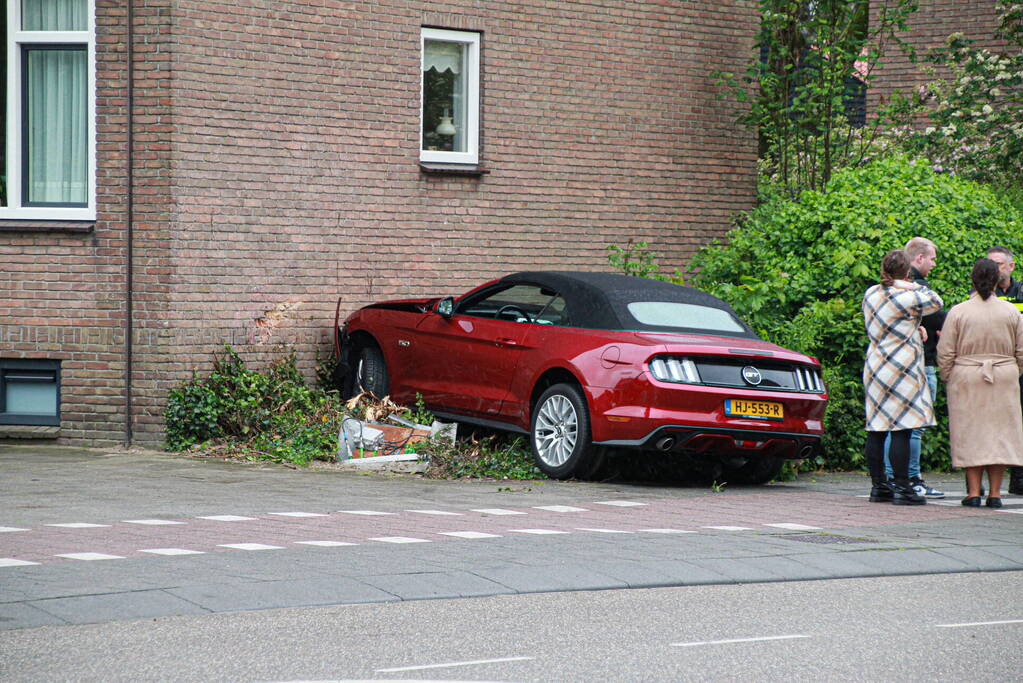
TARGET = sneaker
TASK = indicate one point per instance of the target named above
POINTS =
(922, 489)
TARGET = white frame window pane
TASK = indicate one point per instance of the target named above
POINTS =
(54, 15)
(49, 148)
(449, 113)
(55, 125)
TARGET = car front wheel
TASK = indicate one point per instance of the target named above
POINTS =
(371, 372)
(560, 433)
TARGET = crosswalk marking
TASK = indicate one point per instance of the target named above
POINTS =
(559, 508)
(88, 557)
(367, 513)
(79, 525)
(538, 532)
(604, 531)
(620, 503)
(151, 522)
(250, 546)
(229, 518)
(498, 511)
(325, 544)
(468, 534)
(11, 562)
(436, 512)
(794, 527)
(172, 551)
(399, 539)
(729, 528)
(8, 529)
(298, 514)
(667, 531)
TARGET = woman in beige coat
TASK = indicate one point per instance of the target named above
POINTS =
(980, 355)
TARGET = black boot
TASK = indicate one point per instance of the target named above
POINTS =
(903, 493)
(881, 491)
(1015, 481)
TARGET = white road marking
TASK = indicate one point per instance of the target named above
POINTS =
(6, 529)
(365, 512)
(90, 556)
(79, 525)
(499, 511)
(250, 546)
(620, 503)
(559, 508)
(468, 534)
(668, 531)
(736, 640)
(447, 664)
(981, 623)
(298, 514)
(436, 512)
(11, 562)
(538, 532)
(151, 522)
(729, 528)
(326, 544)
(229, 518)
(604, 531)
(172, 551)
(794, 527)
(1012, 512)
(399, 539)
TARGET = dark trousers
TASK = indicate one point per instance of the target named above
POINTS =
(898, 455)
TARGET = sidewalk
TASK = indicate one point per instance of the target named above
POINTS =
(91, 536)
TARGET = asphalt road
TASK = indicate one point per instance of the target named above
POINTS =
(913, 628)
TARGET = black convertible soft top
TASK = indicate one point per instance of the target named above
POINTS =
(600, 300)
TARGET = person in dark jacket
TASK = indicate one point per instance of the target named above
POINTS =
(1012, 291)
(922, 254)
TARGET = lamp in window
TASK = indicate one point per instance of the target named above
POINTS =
(446, 127)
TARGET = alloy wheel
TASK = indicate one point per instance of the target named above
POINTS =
(556, 430)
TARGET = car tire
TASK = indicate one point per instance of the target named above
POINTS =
(757, 470)
(559, 434)
(370, 372)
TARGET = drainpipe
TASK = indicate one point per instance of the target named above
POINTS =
(129, 275)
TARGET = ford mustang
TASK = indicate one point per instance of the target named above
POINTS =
(583, 363)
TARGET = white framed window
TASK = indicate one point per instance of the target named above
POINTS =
(48, 109)
(450, 114)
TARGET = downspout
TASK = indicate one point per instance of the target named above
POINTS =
(129, 276)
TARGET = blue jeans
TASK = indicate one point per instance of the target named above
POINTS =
(914, 436)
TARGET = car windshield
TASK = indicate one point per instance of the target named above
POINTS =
(688, 316)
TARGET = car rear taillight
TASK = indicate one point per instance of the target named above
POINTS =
(674, 369)
(808, 379)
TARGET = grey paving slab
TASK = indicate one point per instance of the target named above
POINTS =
(436, 585)
(250, 595)
(978, 559)
(689, 574)
(641, 574)
(25, 615)
(1013, 553)
(910, 561)
(748, 570)
(89, 609)
(551, 578)
(836, 564)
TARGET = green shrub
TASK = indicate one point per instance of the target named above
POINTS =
(492, 457)
(797, 270)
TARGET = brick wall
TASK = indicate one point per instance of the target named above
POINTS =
(929, 27)
(277, 169)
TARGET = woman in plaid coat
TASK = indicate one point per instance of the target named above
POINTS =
(894, 381)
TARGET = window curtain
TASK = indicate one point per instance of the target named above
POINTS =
(56, 126)
(447, 56)
(54, 15)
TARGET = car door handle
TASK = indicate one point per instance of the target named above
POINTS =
(506, 341)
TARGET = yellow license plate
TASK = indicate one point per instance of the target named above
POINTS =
(763, 410)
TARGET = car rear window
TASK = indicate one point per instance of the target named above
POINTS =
(688, 316)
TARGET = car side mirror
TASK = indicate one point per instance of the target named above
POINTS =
(446, 307)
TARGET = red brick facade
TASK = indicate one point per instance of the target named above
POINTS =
(929, 27)
(276, 170)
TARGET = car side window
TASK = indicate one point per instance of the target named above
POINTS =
(519, 303)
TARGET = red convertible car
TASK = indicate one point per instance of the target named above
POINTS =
(587, 362)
